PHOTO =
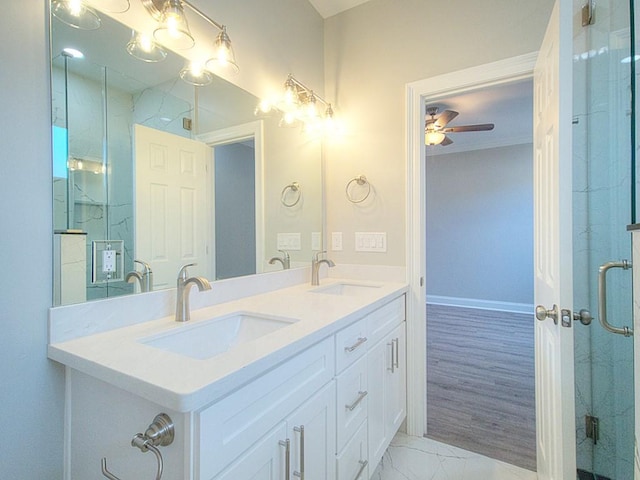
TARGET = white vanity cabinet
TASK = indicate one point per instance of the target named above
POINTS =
(306, 440)
(386, 371)
(325, 411)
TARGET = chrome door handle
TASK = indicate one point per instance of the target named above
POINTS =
(393, 349)
(542, 313)
(396, 361)
(602, 297)
(300, 474)
(583, 316)
(287, 457)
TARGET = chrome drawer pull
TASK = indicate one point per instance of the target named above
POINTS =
(363, 465)
(361, 396)
(287, 457)
(300, 474)
(360, 341)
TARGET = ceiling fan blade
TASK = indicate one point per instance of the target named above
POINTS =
(482, 127)
(446, 141)
(445, 117)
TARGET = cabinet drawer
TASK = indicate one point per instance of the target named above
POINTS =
(380, 322)
(228, 427)
(351, 344)
(353, 462)
(352, 400)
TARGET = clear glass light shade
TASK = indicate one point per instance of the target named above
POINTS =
(112, 6)
(76, 14)
(173, 29)
(196, 74)
(432, 137)
(144, 48)
(224, 59)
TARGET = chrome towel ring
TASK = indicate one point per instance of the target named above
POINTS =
(361, 181)
(292, 190)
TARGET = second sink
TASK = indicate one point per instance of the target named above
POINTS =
(204, 340)
(345, 288)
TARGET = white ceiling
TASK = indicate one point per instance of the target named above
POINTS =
(328, 8)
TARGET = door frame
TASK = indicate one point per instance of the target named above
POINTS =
(495, 73)
(238, 133)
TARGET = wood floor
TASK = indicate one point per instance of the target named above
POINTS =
(480, 382)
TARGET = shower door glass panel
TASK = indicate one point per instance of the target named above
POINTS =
(602, 145)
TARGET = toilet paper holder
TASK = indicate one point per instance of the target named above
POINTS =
(159, 433)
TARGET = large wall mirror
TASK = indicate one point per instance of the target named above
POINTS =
(150, 173)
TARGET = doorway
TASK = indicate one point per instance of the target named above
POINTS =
(234, 170)
(479, 275)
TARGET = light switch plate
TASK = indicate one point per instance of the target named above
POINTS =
(336, 241)
(316, 241)
(371, 242)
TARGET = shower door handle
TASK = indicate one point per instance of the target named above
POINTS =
(602, 297)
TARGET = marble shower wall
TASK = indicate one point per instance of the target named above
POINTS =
(602, 201)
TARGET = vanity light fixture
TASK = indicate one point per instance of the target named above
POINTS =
(173, 32)
(173, 29)
(112, 6)
(142, 47)
(299, 105)
(76, 14)
(195, 73)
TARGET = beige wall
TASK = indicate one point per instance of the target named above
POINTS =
(371, 53)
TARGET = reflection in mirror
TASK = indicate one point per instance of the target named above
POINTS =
(150, 173)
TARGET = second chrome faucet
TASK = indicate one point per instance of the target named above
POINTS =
(184, 284)
(315, 267)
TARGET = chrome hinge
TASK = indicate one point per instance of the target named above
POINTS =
(588, 14)
(592, 426)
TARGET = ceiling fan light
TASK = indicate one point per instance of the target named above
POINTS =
(432, 137)
(76, 14)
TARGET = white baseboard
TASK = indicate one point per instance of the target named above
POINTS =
(480, 304)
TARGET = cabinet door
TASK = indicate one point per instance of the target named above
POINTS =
(263, 461)
(386, 365)
(396, 384)
(312, 430)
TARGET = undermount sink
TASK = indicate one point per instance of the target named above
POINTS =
(346, 289)
(204, 340)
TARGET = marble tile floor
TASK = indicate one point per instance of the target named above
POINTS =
(417, 458)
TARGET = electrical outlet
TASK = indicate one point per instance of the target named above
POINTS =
(108, 261)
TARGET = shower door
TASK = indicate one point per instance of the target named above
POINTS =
(603, 145)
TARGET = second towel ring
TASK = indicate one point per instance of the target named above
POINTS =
(295, 188)
(359, 180)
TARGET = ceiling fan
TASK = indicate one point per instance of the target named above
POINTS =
(436, 129)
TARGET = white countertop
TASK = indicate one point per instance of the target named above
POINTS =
(185, 384)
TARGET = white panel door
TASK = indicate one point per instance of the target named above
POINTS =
(555, 423)
(172, 201)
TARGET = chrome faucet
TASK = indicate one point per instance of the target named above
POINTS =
(315, 267)
(285, 260)
(184, 285)
(145, 279)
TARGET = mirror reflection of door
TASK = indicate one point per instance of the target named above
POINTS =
(235, 209)
(171, 204)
